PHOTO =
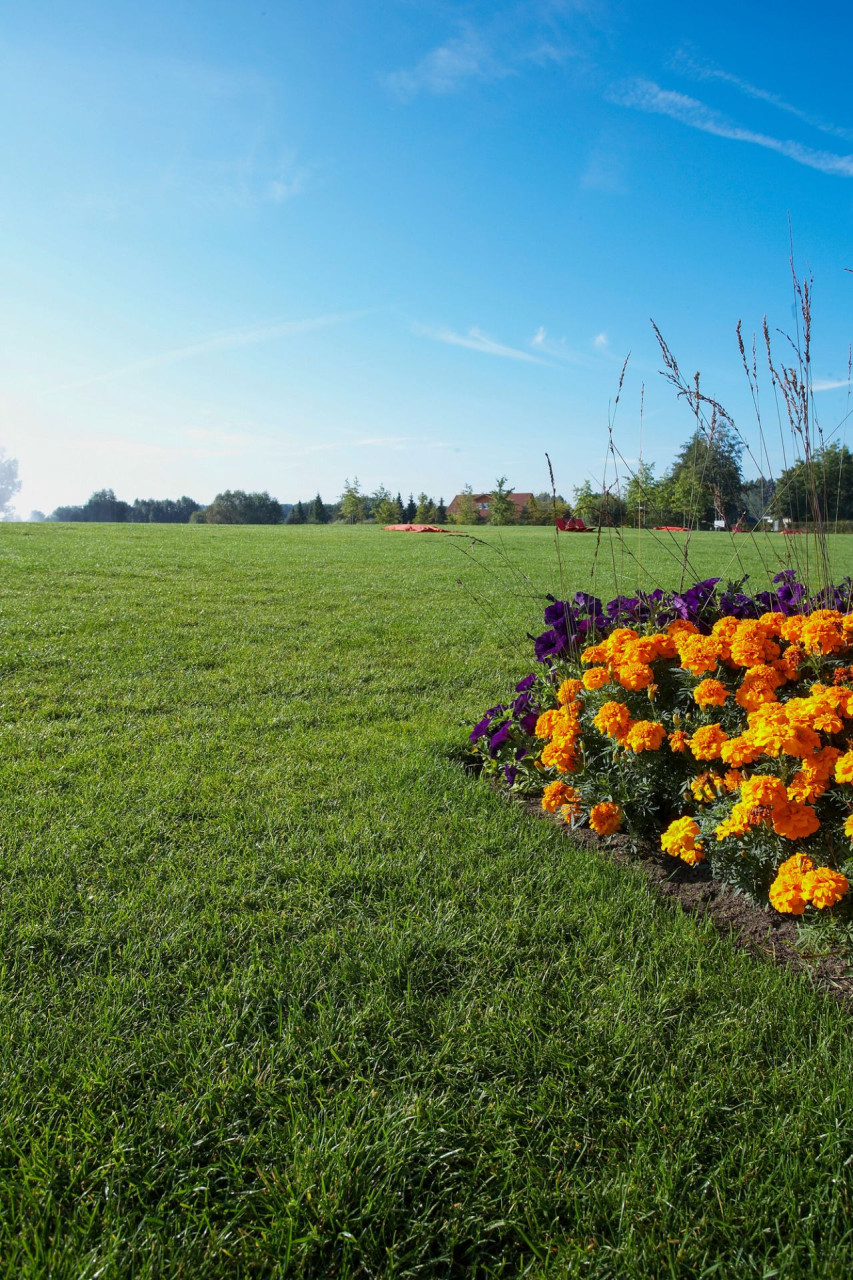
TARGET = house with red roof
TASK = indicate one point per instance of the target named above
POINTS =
(483, 501)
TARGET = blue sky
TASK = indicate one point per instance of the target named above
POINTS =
(274, 245)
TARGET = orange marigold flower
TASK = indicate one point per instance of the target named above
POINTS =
(681, 627)
(710, 693)
(758, 686)
(634, 675)
(848, 827)
(773, 623)
(707, 741)
(698, 653)
(613, 720)
(823, 633)
(594, 653)
(545, 724)
(752, 644)
(555, 796)
(645, 735)
(560, 754)
(736, 824)
(595, 677)
(795, 821)
(678, 741)
(724, 629)
(764, 790)
(742, 750)
(568, 692)
(680, 841)
(605, 818)
(792, 628)
(787, 896)
(825, 887)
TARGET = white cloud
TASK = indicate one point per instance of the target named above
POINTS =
(645, 95)
(231, 338)
(601, 341)
(447, 68)
(558, 348)
(475, 340)
(685, 62)
(830, 384)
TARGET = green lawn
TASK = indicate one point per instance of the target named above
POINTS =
(285, 992)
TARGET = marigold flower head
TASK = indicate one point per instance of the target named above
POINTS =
(707, 741)
(710, 693)
(595, 677)
(848, 827)
(752, 644)
(823, 633)
(613, 720)
(758, 686)
(705, 787)
(554, 796)
(765, 790)
(724, 629)
(634, 675)
(698, 653)
(741, 750)
(594, 653)
(680, 841)
(560, 754)
(795, 821)
(545, 724)
(568, 692)
(678, 741)
(605, 818)
(645, 735)
(825, 887)
(736, 824)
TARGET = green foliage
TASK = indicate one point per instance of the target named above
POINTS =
(235, 506)
(318, 512)
(466, 512)
(604, 508)
(820, 489)
(298, 514)
(388, 510)
(502, 509)
(353, 504)
(425, 512)
(705, 482)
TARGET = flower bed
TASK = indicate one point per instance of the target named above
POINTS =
(718, 724)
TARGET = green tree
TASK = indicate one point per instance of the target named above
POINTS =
(410, 509)
(388, 511)
(705, 481)
(298, 515)
(818, 489)
(425, 512)
(317, 511)
(353, 505)
(502, 509)
(466, 512)
(642, 497)
(235, 506)
(604, 508)
(441, 512)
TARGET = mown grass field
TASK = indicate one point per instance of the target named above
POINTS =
(286, 993)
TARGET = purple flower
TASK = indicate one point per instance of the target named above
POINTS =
(482, 727)
(498, 739)
(524, 685)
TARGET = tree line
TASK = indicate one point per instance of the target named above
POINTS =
(704, 485)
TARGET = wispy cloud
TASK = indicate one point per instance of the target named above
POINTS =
(476, 340)
(223, 341)
(559, 349)
(448, 68)
(830, 384)
(688, 64)
(645, 95)
(397, 443)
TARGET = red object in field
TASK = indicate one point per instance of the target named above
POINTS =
(792, 533)
(414, 528)
(671, 528)
(573, 524)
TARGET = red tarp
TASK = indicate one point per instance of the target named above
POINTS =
(414, 528)
(671, 528)
(572, 525)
